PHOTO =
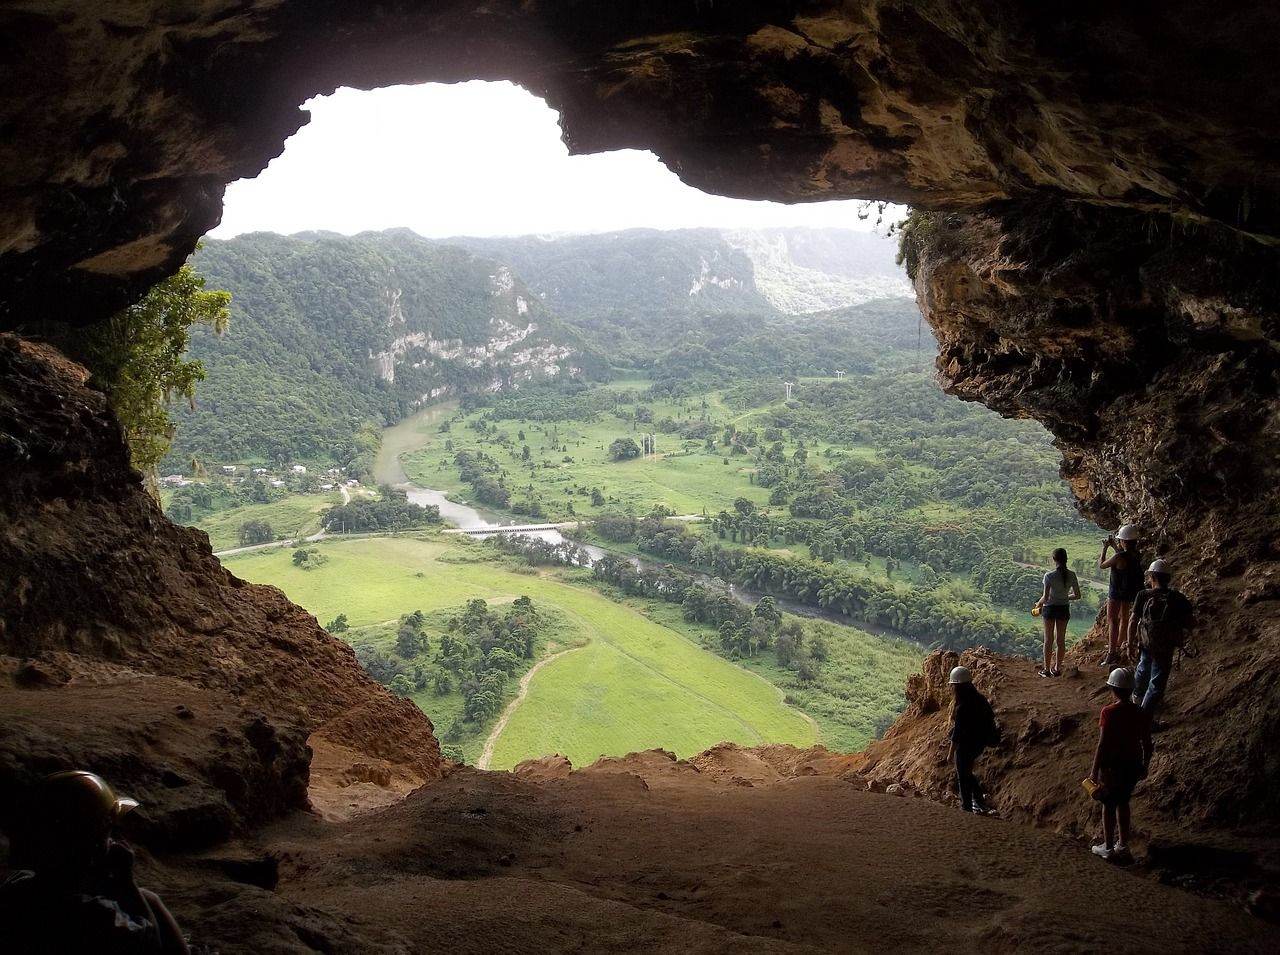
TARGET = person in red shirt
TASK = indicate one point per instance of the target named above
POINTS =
(1120, 761)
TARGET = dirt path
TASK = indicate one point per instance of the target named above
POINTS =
(487, 755)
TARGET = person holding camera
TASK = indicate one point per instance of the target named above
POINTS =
(72, 888)
(1125, 565)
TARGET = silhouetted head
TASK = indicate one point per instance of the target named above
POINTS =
(67, 822)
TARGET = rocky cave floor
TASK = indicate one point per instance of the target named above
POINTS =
(765, 849)
(644, 853)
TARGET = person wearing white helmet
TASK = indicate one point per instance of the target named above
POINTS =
(1119, 762)
(1161, 623)
(1125, 566)
(973, 729)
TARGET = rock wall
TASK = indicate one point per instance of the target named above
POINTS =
(108, 603)
(123, 124)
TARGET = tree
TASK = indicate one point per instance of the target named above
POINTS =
(624, 449)
(410, 638)
(338, 624)
(136, 359)
(255, 532)
(597, 498)
(743, 506)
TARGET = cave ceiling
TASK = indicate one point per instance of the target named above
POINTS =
(124, 121)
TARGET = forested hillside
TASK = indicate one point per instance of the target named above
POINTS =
(331, 335)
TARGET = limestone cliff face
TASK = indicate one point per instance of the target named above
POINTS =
(1152, 356)
(120, 621)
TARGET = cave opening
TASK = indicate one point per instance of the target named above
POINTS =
(932, 520)
(1096, 252)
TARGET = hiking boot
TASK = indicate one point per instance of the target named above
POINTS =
(982, 809)
(1101, 851)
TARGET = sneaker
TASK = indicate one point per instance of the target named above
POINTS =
(981, 809)
(1120, 853)
(1110, 660)
(1041, 671)
(1101, 851)
(1055, 672)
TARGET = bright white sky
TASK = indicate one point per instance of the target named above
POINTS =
(476, 159)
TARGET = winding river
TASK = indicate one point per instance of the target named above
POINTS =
(415, 431)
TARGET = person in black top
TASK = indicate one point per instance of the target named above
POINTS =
(1159, 627)
(73, 889)
(1125, 566)
(973, 729)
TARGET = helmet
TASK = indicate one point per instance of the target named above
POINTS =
(1120, 679)
(1160, 566)
(960, 675)
(81, 800)
(1128, 532)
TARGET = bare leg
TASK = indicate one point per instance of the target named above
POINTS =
(1108, 826)
(1122, 812)
(171, 940)
(1113, 625)
(1125, 609)
(1062, 641)
(1048, 644)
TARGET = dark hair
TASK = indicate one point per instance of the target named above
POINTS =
(1161, 579)
(1060, 558)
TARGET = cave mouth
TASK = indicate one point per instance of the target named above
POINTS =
(1089, 257)
(361, 169)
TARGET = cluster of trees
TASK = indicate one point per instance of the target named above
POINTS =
(485, 475)
(478, 652)
(392, 512)
(309, 558)
(928, 616)
(255, 532)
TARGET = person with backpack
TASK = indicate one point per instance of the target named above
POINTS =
(1125, 566)
(973, 729)
(1159, 627)
(1061, 586)
(1119, 763)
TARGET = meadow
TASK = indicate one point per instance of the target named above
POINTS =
(633, 683)
(295, 516)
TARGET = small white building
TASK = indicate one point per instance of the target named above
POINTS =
(298, 469)
(335, 470)
(351, 482)
(326, 487)
(228, 469)
(259, 470)
(277, 483)
(174, 480)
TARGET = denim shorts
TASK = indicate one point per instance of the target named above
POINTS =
(1056, 611)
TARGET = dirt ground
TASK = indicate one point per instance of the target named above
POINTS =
(646, 853)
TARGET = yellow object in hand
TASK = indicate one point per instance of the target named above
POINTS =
(1035, 611)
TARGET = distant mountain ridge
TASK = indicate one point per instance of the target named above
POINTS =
(333, 335)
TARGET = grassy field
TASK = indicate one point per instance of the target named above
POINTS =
(635, 684)
(295, 516)
(684, 477)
